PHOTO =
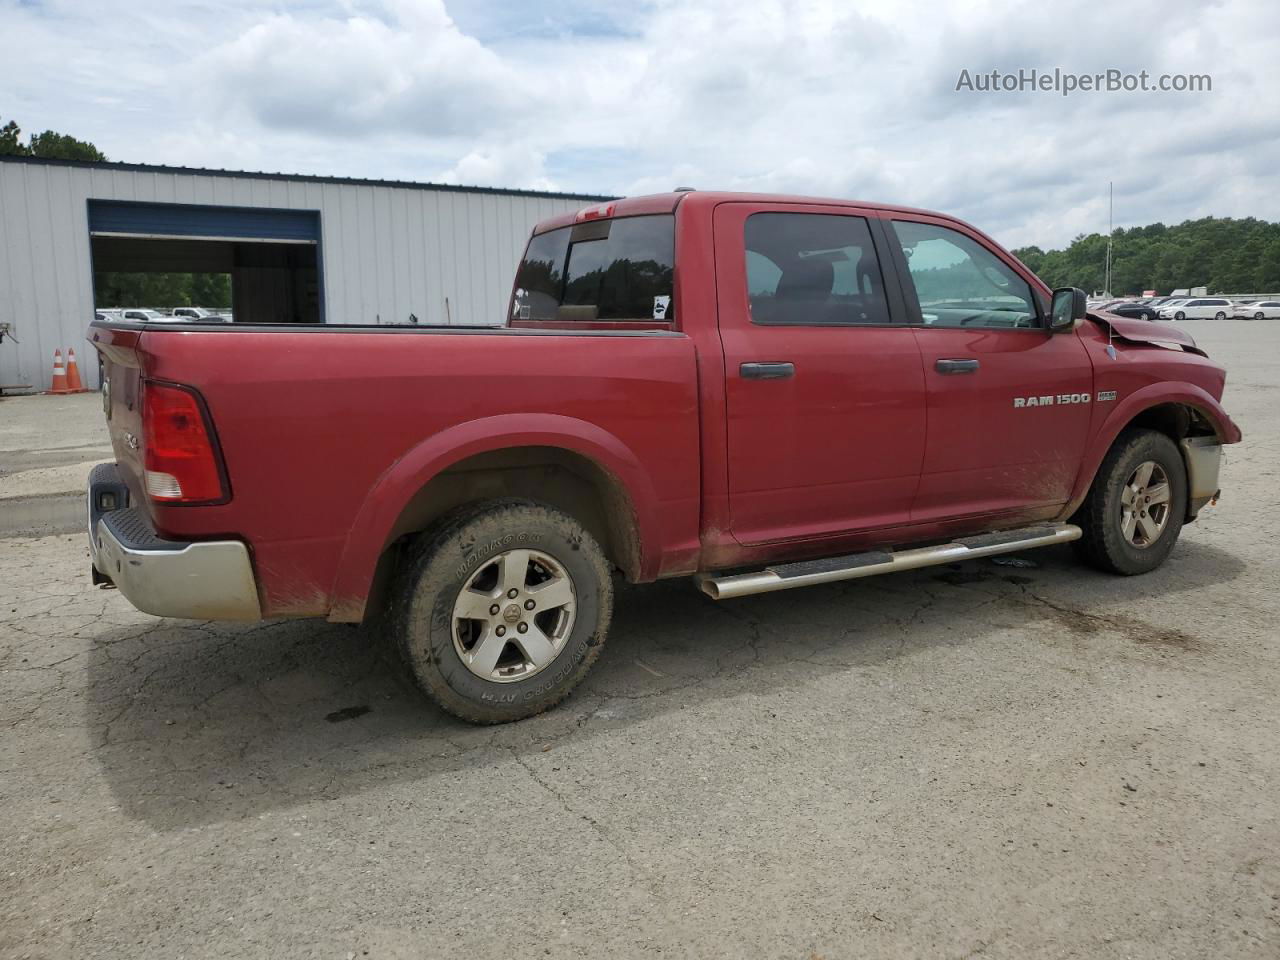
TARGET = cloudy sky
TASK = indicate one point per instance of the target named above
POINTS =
(840, 99)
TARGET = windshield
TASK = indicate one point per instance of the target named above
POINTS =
(610, 270)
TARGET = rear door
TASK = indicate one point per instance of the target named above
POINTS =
(824, 391)
(1008, 402)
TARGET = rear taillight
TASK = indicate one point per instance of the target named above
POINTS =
(179, 457)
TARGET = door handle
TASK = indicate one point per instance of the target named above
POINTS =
(965, 365)
(767, 371)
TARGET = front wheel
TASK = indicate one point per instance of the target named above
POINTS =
(1219, 315)
(503, 610)
(1179, 315)
(1259, 315)
(1134, 511)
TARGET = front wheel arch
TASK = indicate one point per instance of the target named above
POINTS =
(1111, 540)
(1176, 410)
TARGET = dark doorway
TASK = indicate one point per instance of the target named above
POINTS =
(255, 281)
(254, 264)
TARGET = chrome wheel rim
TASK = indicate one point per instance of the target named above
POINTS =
(514, 615)
(1144, 505)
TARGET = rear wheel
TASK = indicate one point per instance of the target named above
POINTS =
(1134, 511)
(1219, 315)
(503, 609)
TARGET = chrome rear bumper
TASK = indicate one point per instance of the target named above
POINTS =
(198, 581)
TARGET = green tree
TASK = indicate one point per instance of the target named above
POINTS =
(59, 146)
(11, 140)
(50, 144)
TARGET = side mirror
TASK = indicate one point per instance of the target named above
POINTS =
(1069, 305)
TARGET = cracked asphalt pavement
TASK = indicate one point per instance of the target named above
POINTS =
(979, 760)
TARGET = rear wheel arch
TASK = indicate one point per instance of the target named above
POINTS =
(562, 479)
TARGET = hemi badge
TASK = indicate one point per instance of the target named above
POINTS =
(1106, 395)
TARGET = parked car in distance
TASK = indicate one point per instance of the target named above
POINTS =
(201, 313)
(1256, 309)
(1130, 308)
(144, 315)
(760, 392)
(1200, 308)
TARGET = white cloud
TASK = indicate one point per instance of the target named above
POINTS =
(827, 98)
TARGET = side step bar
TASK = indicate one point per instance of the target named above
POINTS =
(787, 576)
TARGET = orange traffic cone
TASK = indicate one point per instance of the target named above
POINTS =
(59, 375)
(73, 373)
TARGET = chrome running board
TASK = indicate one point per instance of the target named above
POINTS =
(787, 576)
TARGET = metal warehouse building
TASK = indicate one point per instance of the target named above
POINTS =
(297, 248)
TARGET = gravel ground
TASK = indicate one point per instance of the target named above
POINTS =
(981, 761)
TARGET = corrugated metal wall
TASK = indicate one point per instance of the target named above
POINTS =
(387, 251)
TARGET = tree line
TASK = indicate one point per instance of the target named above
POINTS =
(162, 290)
(1225, 254)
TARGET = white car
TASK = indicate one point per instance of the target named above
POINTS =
(1257, 310)
(141, 315)
(199, 313)
(1198, 308)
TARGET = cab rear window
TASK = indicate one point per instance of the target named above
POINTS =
(600, 270)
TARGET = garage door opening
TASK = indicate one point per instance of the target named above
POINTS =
(246, 264)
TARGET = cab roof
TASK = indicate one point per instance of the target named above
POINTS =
(667, 203)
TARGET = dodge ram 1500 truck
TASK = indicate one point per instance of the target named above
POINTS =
(762, 392)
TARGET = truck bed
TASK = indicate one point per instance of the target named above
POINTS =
(372, 410)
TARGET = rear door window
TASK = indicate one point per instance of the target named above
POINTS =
(807, 269)
(600, 270)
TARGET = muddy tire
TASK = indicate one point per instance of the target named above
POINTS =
(1135, 509)
(502, 609)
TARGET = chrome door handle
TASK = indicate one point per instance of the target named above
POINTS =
(767, 371)
(965, 365)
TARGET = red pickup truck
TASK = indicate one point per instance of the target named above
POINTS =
(763, 392)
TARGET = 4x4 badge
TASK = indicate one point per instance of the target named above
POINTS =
(1106, 395)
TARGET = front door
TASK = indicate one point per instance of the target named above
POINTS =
(824, 387)
(1008, 402)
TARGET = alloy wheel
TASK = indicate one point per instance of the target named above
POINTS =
(1144, 505)
(513, 616)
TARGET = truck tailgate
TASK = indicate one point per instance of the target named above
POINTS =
(120, 350)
